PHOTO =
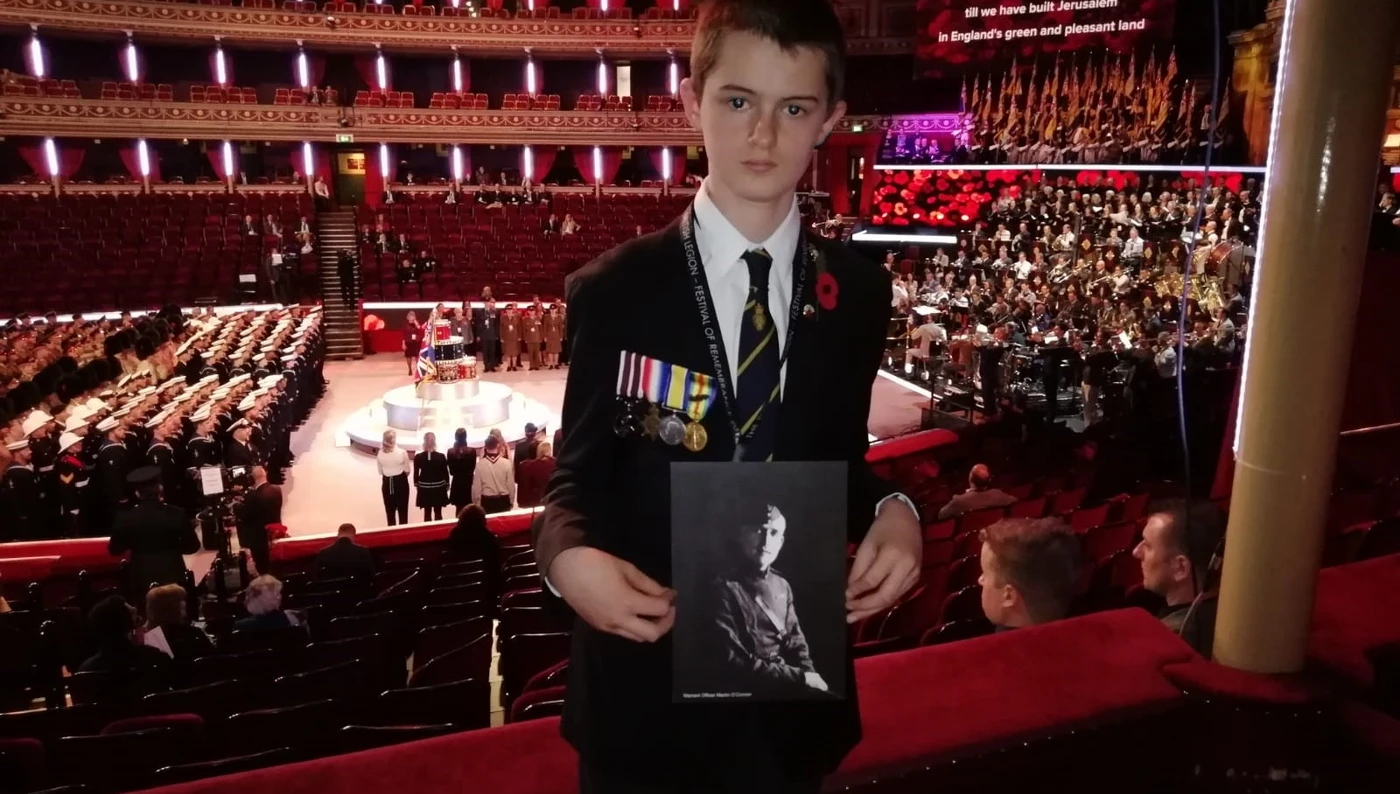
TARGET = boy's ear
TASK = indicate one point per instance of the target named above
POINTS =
(690, 101)
(838, 111)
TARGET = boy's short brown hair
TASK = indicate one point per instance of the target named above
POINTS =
(790, 23)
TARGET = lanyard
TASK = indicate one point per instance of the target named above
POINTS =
(715, 340)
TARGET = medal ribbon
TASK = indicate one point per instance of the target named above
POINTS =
(715, 340)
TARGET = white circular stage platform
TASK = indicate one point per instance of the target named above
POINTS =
(440, 408)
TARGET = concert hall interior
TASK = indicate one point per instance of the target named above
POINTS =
(286, 288)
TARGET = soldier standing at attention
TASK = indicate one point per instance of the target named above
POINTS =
(553, 325)
(530, 322)
(510, 337)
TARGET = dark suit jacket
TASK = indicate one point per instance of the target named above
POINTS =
(614, 494)
(345, 557)
(157, 535)
(970, 500)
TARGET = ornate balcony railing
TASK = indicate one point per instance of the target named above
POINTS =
(629, 38)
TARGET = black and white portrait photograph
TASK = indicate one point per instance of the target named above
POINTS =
(758, 559)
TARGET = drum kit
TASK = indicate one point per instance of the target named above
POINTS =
(450, 355)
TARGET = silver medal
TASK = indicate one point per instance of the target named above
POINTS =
(672, 430)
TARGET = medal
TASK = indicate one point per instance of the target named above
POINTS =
(651, 423)
(672, 430)
(626, 424)
(696, 437)
(760, 320)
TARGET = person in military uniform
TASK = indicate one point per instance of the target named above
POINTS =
(19, 495)
(510, 337)
(553, 325)
(239, 452)
(112, 471)
(72, 475)
(430, 479)
(756, 643)
(156, 534)
(161, 454)
(531, 326)
(488, 332)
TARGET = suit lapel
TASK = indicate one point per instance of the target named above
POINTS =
(803, 366)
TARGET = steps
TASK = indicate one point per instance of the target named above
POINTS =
(335, 232)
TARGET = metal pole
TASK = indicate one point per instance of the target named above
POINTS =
(1335, 69)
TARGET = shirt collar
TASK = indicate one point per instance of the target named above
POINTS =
(721, 246)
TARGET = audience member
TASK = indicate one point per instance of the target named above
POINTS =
(525, 447)
(1030, 569)
(470, 539)
(344, 557)
(979, 494)
(1178, 542)
(263, 600)
(461, 463)
(534, 476)
(167, 627)
(113, 624)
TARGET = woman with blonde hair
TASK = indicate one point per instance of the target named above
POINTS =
(167, 629)
(394, 463)
(263, 600)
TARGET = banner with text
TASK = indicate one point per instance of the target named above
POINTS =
(958, 36)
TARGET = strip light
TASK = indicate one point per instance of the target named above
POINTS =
(666, 164)
(228, 160)
(602, 77)
(129, 59)
(457, 75)
(220, 67)
(529, 163)
(307, 160)
(143, 157)
(675, 77)
(36, 56)
(530, 76)
(457, 162)
(381, 71)
(598, 164)
(303, 71)
(51, 156)
(384, 161)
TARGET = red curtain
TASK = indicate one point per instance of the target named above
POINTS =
(495, 5)
(215, 151)
(834, 160)
(132, 160)
(367, 66)
(374, 179)
(544, 160)
(70, 159)
(34, 157)
(658, 161)
(611, 160)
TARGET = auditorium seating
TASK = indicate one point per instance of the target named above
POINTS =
(104, 252)
(384, 99)
(23, 85)
(611, 102)
(445, 100)
(504, 247)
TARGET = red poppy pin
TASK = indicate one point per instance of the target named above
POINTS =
(827, 288)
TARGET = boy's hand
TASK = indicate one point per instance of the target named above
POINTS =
(611, 595)
(887, 563)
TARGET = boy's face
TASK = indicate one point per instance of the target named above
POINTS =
(762, 112)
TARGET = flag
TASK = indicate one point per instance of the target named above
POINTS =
(427, 362)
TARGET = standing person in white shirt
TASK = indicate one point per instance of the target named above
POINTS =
(394, 463)
(493, 482)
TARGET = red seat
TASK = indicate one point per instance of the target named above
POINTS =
(537, 704)
(464, 704)
(524, 655)
(965, 604)
(970, 523)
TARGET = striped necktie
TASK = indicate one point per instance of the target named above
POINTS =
(758, 381)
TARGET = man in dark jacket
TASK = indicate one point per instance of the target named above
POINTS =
(262, 506)
(344, 557)
(156, 534)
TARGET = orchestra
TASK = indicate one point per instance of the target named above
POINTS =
(1042, 313)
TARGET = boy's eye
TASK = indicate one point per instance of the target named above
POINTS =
(738, 102)
(796, 110)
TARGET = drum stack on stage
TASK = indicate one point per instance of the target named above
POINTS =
(450, 355)
(450, 396)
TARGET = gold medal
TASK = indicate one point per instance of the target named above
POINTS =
(695, 437)
(651, 425)
(760, 320)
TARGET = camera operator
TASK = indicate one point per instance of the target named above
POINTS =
(262, 505)
(156, 534)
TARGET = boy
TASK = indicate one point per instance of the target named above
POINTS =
(791, 332)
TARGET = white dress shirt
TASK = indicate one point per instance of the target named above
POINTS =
(394, 462)
(721, 248)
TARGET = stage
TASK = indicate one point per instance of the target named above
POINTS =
(333, 482)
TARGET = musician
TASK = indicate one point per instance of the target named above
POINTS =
(1165, 355)
(1133, 249)
(990, 351)
(1065, 242)
(1056, 352)
(921, 339)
